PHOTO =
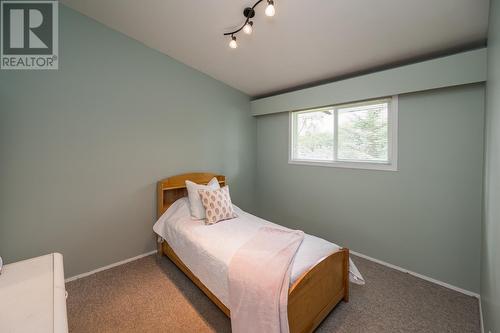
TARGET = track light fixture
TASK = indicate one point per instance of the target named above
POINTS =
(247, 26)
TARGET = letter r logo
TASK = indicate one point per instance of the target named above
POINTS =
(27, 28)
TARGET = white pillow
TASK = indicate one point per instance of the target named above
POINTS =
(195, 204)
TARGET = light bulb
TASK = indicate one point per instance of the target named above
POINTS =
(270, 11)
(232, 43)
(248, 28)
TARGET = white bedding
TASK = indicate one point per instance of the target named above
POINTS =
(207, 249)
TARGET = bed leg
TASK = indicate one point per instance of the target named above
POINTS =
(159, 246)
(346, 275)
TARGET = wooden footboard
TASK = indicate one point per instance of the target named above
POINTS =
(310, 298)
(317, 291)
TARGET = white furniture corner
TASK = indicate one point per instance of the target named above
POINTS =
(33, 297)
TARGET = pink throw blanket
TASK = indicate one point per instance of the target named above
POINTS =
(259, 277)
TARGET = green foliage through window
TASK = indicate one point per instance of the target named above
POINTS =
(363, 133)
(350, 133)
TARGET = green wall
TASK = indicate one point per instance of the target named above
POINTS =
(490, 266)
(81, 148)
(426, 217)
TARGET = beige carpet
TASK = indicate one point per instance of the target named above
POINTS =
(148, 295)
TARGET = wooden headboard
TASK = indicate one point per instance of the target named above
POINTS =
(173, 188)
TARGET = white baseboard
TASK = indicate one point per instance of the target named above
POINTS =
(441, 283)
(79, 276)
(481, 315)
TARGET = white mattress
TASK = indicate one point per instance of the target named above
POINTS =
(207, 249)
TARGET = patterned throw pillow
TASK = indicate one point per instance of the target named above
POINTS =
(218, 206)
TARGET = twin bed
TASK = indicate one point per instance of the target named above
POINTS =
(319, 275)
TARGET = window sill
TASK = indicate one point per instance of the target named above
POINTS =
(348, 165)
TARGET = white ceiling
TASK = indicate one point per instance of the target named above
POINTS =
(307, 41)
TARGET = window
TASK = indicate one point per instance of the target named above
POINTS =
(357, 135)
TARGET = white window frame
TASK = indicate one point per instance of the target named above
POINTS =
(392, 132)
